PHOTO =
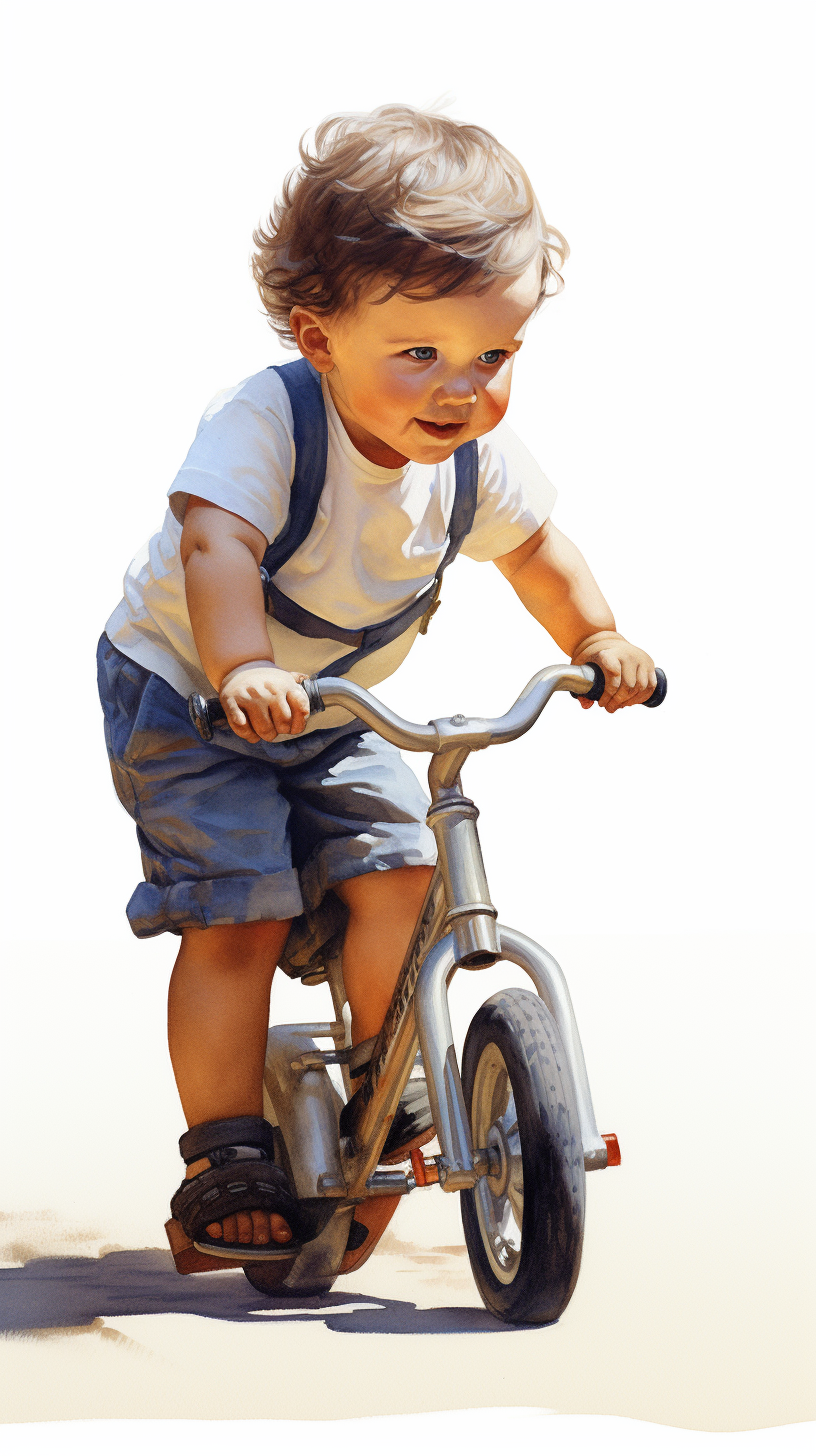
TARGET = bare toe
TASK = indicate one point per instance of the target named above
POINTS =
(260, 1227)
(244, 1221)
(229, 1226)
(214, 1230)
(279, 1228)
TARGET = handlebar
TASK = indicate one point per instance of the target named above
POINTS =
(207, 714)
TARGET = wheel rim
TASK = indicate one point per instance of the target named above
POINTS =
(499, 1197)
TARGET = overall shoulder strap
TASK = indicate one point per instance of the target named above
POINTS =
(466, 464)
(311, 438)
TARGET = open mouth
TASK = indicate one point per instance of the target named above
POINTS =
(442, 432)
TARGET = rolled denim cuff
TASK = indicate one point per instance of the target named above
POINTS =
(228, 900)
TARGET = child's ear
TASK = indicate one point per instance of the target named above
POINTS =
(311, 338)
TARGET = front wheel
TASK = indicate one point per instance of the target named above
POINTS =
(524, 1221)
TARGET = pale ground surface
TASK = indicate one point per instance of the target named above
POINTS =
(407, 1333)
(692, 1309)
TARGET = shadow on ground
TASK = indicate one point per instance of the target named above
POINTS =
(63, 1293)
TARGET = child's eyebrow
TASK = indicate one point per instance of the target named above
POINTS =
(417, 341)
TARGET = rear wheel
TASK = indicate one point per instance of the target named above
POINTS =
(267, 1275)
(313, 1269)
(524, 1221)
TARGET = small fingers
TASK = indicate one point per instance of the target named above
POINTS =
(629, 678)
(264, 715)
(621, 698)
(237, 719)
(611, 668)
(299, 707)
(638, 683)
(265, 703)
(646, 684)
(289, 710)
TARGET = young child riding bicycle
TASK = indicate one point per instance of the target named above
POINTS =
(307, 531)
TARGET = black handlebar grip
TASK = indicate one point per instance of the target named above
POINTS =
(597, 689)
(311, 688)
(660, 691)
(206, 714)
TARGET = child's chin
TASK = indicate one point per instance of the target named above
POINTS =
(432, 454)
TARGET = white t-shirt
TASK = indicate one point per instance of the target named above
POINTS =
(375, 544)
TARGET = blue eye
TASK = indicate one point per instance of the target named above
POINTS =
(491, 356)
(423, 353)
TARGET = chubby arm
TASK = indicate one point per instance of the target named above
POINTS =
(221, 555)
(551, 578)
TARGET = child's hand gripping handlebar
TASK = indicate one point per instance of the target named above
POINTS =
(207, 714)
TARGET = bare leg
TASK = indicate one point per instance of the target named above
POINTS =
(384, 908)
(218, 1018)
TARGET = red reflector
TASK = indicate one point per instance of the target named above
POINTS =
(424, 1173)
(418, 1168)
(613, 1156)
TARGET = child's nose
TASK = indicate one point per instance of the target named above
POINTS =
(457, 390)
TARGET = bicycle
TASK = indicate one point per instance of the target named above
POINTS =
(516, 1128)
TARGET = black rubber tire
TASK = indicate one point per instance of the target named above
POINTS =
(541, 1274)
(267, 1276)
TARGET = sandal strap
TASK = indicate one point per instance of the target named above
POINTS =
(216, 1193)
(208, 1137)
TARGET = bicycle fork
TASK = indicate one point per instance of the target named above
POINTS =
(476, 939)
(458, 927)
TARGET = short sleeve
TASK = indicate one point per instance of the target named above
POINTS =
(514, 497)
(242, 458)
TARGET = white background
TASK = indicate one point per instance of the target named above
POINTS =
(665, 857)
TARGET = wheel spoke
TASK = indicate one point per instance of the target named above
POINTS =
(515, 1197)
(501, 1096)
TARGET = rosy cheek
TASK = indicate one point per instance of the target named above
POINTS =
(496, 398)
(386, 396)
(406, 389)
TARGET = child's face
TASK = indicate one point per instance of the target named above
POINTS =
(413, 380)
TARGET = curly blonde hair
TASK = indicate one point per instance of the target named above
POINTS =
(427, 205)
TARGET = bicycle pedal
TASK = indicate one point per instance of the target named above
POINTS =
(187, 1258)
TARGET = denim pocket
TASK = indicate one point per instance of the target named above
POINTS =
(121, 687)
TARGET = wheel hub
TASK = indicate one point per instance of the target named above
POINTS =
(500, 1193)
(498, 1158)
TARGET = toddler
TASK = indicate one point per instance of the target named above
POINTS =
(307, 532)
